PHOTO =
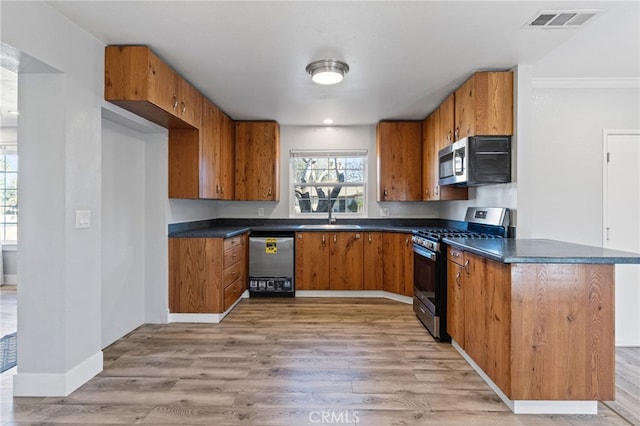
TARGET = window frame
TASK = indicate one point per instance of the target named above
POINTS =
(10, 149)
(297, 153)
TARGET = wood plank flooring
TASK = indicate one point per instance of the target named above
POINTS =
(285, 362)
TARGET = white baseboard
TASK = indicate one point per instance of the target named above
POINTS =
(355, 293)
(530, 406)
(205, 318)
(53, 384)
(10, 279)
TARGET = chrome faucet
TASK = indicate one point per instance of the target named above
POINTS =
(332, 219)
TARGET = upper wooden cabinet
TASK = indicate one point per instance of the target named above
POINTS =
(484, 105)
(217, 150)
(445, 129)
(399, 153)
(257, 161)
(432, 143)
(137, 80)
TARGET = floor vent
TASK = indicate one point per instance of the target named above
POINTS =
(560, 18)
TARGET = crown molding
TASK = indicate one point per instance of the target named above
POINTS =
(587, 83)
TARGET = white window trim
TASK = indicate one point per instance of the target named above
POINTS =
(12, 149)
(328, 153)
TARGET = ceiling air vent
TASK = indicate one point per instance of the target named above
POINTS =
(560, 18)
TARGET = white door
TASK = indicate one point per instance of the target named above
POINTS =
(622, 226)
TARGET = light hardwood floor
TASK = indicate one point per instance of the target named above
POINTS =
(285, 362)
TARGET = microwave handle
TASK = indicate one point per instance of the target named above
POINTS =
(458, 163)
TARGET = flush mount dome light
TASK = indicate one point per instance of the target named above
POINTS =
(327, 71)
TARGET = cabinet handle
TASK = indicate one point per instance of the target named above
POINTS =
(455, 253)
(323, 240)
(175, 103)
(437, 189)
(458, 279)
(457, 133)
(426, 192)
(406, 242)
(183, 107)
(269, 192)
(385, 193)
(370, 238)
(335, 239)
(217, 189)
(449, 136)
(466, 263)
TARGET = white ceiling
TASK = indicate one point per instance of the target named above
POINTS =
(249, 57)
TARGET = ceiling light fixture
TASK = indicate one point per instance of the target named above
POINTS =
(327, 121)
(327, 71)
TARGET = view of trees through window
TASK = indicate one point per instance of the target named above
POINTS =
(9, 196)
(329, 180)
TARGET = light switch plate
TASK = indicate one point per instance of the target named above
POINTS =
(83, 219)
(384, 211)
(260, 211)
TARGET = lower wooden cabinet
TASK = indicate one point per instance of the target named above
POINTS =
(397, 263)
(329, 261)
(539, 331)
(373, 259)
(206, 275)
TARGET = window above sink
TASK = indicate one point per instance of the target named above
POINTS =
(333, 179)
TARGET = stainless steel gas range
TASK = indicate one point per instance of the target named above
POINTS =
(430, 262)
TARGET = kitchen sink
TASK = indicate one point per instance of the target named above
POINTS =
(326, 226)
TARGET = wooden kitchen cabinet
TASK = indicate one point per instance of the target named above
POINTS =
(539, 331)
(206, 275)
(347, 261)
(484, 105)
(398, 263)
(373, 260)
(445, 127)
(399, 153)
(257, 162)
(139, 81)
(312, 260)
(217, 151)
(432, 143)
(329, 261)
(201, 161)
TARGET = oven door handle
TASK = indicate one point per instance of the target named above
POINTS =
(424, 253)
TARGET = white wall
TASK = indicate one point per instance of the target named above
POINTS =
(567, 158)
(59, 320)
(331, 138)
(123, 231)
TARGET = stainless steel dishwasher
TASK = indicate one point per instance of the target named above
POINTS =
(271, 264)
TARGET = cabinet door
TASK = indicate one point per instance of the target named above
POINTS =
(430, 133)
(475, 311)
(226, 169)
(257, 161)
(446, 122)
(398, 263)
(373, 259)
(312, 261)
(465, 113)
(190, 103)
(184, 163)
(195, 275)
(455, 302)
(484, 105)
(210, 151)
(346, 261)
(399, 155)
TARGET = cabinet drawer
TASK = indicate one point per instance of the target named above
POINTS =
(232, 242)
(233, 292)
(455, 255)
(232, 255)
(232, 273)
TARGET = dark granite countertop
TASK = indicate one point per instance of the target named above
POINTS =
(227, 228)
(541, 251)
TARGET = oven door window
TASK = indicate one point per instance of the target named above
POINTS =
(425, 276)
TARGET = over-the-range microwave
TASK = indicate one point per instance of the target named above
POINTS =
(475, 161)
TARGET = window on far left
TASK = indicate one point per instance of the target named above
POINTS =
(8, 193)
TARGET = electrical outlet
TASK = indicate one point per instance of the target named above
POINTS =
(83, 219)
(384, 211)
(260, 211)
